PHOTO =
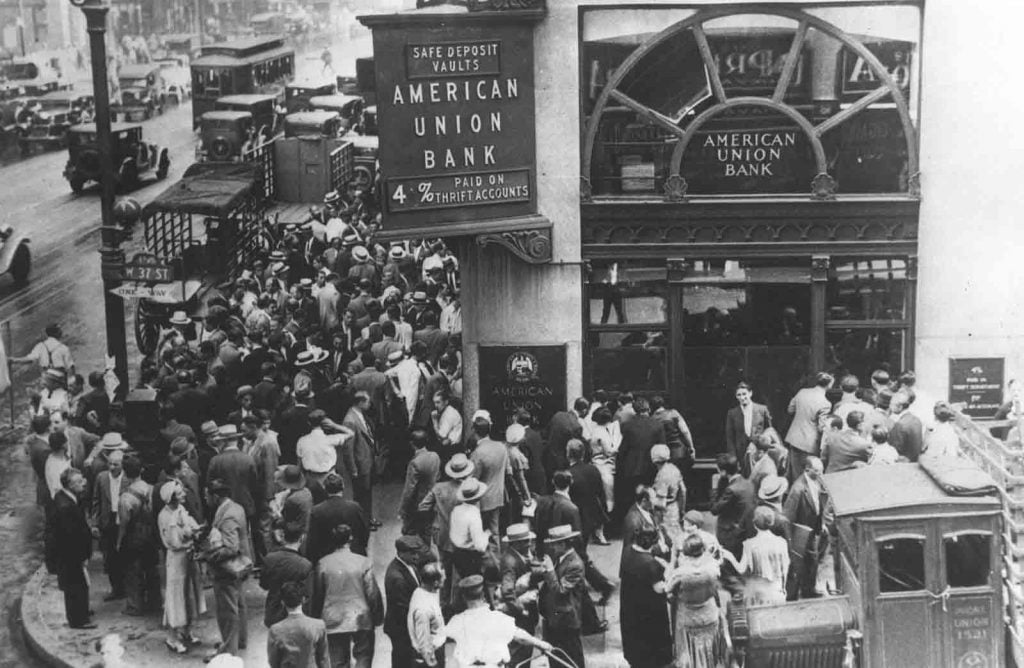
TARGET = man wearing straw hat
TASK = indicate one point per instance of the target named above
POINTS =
(468, 536)
(562, 592)
(440, 501)
(482, 636)
(521, 574)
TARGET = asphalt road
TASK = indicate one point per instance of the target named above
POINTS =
(65, 287)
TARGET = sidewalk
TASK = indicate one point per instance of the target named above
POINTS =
(47, 632)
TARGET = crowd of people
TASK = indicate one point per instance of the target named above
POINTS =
(334, 363)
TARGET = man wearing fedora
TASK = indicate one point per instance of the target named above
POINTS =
(521, 575)
(439, 503)
(562, 592)
(106, 493)
(310, 363)
(238, 471)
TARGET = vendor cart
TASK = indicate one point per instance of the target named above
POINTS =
(205, 229)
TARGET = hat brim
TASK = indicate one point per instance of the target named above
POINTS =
(475, 497)
(226, 437)
(516, 539)
(118, 446)
(316, 360)
(568, 536)
(190, 448)
(186, 321)
(773, 495)
(458, 475)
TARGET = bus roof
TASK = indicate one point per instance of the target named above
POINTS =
(231, 60)
(874, 488)
(246, 99)
(241, 48)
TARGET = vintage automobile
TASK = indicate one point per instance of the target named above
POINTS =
(15, 257)
(263, 109)
(55, 114)
(370, 120)
(177, 79)
(297, 95)
(16, 116)
(349, 107)
(226, 135)
(34, 76)
(312, 124)
(918, 557)
(132, 157)
(142, 91)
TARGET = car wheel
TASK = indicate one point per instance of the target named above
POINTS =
(77, 186)
(21, 265)
(147, 329)
(362, 177)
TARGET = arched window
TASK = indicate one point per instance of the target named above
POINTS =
(755, 101)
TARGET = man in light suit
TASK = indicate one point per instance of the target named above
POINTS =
(105, 495)
(907, 433)
(808, 407)
(743, 424)
(805, 506)
(230, 522)
(358, 453)
(297, 640)
(420, 477)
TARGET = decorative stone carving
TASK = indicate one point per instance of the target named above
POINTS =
(914, 185)
(823, 186)
(532, 246)
(586, 190)
(675, 188)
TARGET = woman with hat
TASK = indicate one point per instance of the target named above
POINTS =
(765, 560)
(671, 491)
(769, 495)
(183, 599)
(698, 635)
(466, 529)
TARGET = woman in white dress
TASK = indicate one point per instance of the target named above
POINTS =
(605, 438)
(941, 439)
(765, 561)
(183, 598)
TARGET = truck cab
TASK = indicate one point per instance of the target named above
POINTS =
(224, 135)
(262, 108)
(132, 157)
(297, 95)
(142, 90)
(349, 107)
(312, 124)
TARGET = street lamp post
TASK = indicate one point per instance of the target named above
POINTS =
(111, 255)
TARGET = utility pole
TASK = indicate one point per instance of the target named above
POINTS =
(111, 255)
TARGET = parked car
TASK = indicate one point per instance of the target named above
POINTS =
(349, 107)
(142, 91)
(177, 79)
(56, 112)
(226, 135)
(312, 123)
(16, 116)
(297, 95)
(262, 107)
(131, 156)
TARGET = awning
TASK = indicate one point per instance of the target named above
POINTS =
(208, 189)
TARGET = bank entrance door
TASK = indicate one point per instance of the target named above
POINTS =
(738, 320)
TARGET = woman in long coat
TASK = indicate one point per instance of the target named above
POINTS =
(183, 598)
(699, 632)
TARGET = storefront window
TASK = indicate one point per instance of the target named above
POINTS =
(901, 565)
(968, 559)
(628, 292)
(632, 360)
(867, 289)
(664, 102)
(862, 351)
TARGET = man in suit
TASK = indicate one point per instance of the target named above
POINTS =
(420, 476)
(640, 517)
(907, 433)
(808, 407)
(633, 464)
(518, 560)
(358, 453)
(387, 345)
(842, 450)
(805, 506)
(283, 566)
(533, 447)
(74, 547)
(106, 493)
(646, 639)
(564, 425)
(733, 501)
(137, 541)
(297, 640)
(370, 380)
(562, 593)
(400, 582)
(334, 512)
(240, 472)
(744, 423)
(491, 462)
(435, 339)
(587, 492)
(292, 424)
(231, 523)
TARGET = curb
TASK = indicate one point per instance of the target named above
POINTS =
(33, 626)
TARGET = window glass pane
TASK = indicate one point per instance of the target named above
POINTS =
(901, 565)
(746, 315)
(968, 559)
(635, 361)
(867, 289)
(628, 293)
(862, 351)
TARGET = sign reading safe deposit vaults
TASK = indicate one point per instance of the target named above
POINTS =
(455, 111)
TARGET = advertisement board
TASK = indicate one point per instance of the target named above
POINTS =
(514, 377)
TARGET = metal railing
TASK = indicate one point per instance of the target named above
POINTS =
(1006, 466)
(263, 156)
(342, 166)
